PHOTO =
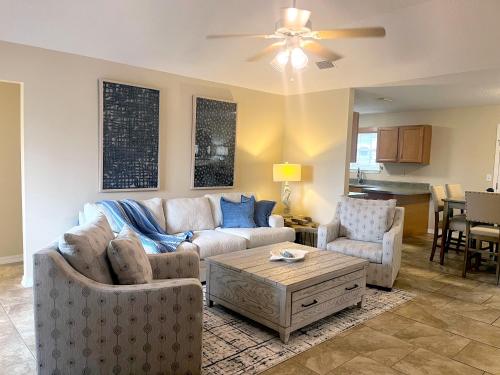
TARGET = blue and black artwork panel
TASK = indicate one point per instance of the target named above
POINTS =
(130, 137)
(215, 143)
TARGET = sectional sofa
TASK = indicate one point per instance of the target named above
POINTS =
(203, 216)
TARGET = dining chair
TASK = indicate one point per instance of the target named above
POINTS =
(482, 221)
(456, 223)
(454, 191)
(438, 193)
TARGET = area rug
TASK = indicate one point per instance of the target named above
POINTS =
(233, 344)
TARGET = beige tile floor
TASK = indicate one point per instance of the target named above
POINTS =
(451, 327)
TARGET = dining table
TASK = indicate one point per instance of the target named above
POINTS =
(450, 204)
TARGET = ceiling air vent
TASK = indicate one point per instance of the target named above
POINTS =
(325, 64)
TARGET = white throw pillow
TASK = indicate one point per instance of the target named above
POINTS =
(185, 214)
(365, 219)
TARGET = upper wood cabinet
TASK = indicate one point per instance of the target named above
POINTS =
(354, 138)
(404, 144)
(387, 144)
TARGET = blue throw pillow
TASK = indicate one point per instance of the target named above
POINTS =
(237, 214)
(263, 209)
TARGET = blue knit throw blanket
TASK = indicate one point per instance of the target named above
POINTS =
(141, 220)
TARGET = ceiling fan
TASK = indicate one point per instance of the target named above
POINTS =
(294, 35)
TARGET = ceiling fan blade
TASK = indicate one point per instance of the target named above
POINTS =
(221, 36)
(294, 18)
(317, 49)
(266, 51)
(362, 32)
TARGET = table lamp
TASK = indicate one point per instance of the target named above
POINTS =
(286, 173)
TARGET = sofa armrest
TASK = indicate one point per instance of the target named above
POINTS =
(327, 233)
(276, 221)
(184, 264)
(392, 246)
(112, 324)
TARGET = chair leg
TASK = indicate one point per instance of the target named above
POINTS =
(448, 240)
(436, 233)
(498, 261)
(466, 252)
(498, 269)
(460, 239)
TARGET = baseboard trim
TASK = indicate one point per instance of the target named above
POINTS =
(27, 282)
(11, 259)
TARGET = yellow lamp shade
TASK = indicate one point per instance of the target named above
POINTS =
(287, 172)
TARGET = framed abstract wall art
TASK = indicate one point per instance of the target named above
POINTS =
(129, 127)
(214, 143)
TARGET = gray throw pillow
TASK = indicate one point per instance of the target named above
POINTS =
(84, 247)
(128, 258)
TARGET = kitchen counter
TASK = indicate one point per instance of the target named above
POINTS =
(389, 187)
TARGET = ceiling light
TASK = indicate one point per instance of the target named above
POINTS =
(298, 58)
(282, 57)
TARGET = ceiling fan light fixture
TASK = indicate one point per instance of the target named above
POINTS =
(282, 57)
(298, 58)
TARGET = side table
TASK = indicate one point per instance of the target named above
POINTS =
(306, 230)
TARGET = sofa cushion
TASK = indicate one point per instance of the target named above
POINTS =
(262, 236)
(238, 214)
(84, 247)
(212, 242)
(187, 246)
(365, 219)
(184, 214)
(93, 210)
(371, 251)
(155, 205)
(128, 258)
(215, 204)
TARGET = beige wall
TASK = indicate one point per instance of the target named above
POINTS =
(462, 151)
(317, 135)
(61, 135)
(11, 240)
(463, 145)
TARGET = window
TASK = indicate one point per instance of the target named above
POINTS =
(367, 153)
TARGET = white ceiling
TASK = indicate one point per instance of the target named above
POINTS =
(424, 37)
(453, 90)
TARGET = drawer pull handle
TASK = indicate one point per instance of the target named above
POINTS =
(352, 287)
(310, 304)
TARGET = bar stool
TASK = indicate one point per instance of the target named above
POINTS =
(438, 193)
(456, 222)
(455, 191)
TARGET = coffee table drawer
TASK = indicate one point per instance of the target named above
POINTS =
(327, 294)
(320, 310)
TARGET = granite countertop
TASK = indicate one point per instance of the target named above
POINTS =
(391, 187)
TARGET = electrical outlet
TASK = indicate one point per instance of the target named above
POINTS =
(489, 178)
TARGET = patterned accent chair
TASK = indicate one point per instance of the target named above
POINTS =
(366, 234)
(86, 327)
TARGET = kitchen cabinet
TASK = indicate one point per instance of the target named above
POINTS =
(404, 144)
(387, 144)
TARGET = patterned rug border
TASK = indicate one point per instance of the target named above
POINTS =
(377, 302)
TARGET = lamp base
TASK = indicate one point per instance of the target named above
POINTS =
(285, 198)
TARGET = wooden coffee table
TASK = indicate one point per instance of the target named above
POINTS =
(285, 296)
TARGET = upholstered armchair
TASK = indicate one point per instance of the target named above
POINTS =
(86, 327)
(384, 255)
